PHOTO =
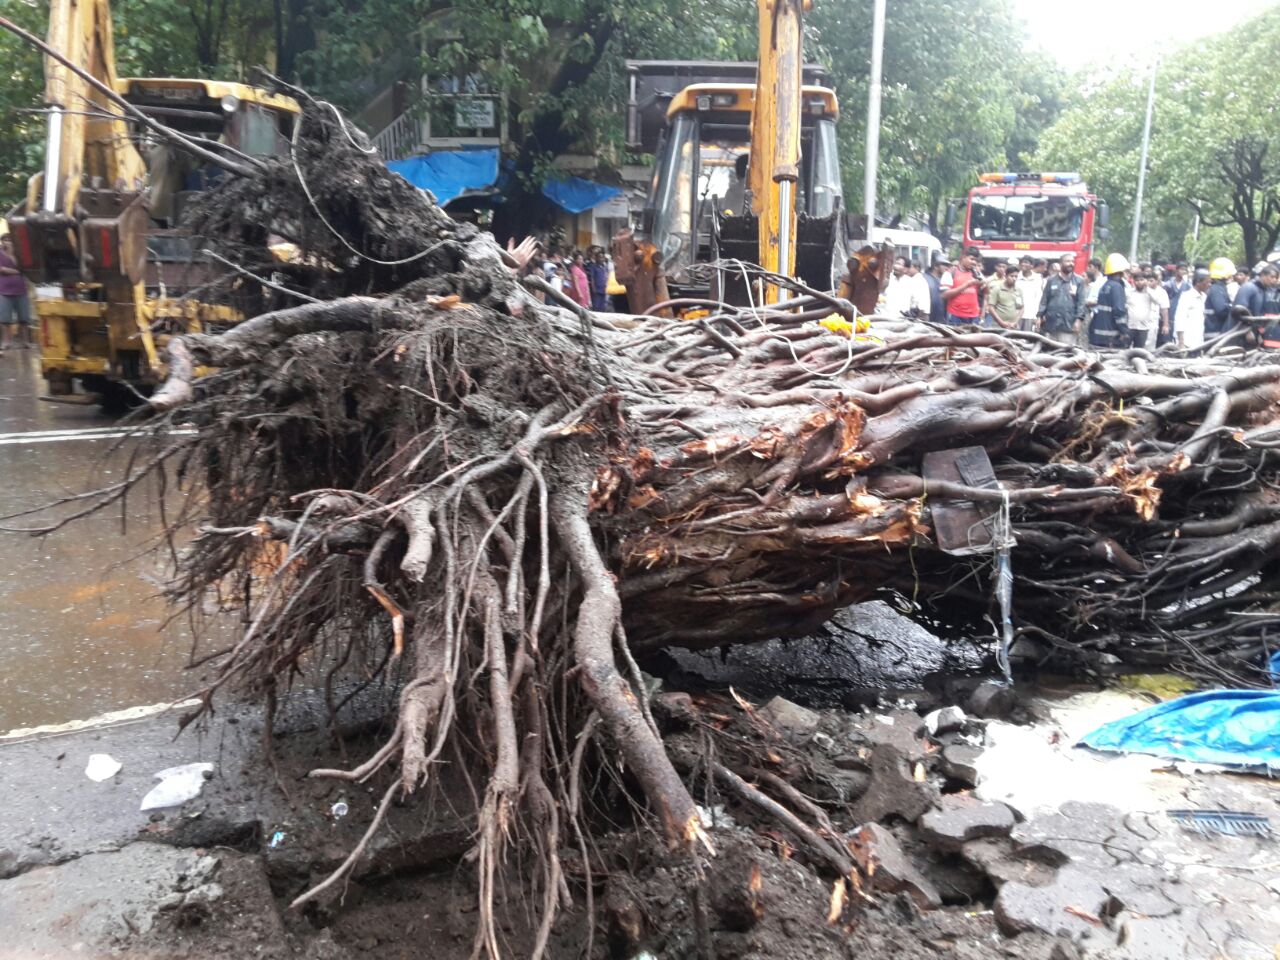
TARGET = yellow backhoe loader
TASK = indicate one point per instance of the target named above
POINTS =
(747, 169)
(99, 222)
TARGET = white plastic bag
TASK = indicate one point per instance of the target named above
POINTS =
(177, 785)
(102, 766)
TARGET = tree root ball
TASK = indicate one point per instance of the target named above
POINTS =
(431, 466)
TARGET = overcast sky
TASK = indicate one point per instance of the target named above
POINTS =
(1086, 31)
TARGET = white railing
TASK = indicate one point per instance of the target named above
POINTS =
(400, 138)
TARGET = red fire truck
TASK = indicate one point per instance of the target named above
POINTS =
(1038, 214)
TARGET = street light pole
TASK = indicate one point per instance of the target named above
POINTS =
(872, 160)
(1142, 164)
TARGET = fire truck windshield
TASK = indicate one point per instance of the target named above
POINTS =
(1054, 219)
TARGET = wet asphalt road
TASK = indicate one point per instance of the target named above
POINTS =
(80, 620)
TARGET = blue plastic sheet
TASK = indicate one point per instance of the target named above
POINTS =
(450, 173)
(575, 194)
(1231, 727)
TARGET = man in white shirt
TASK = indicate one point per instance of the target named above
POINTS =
(1156, 291)
(904, 294)
(920, 294)
(1189, 321)
(1093, 273)
(1234, 284)
(894, 300)
(1144, 317)
(1031, 285)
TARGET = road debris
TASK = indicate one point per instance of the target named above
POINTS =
(102, 766)
(177, 785)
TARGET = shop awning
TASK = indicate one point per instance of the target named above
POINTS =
(450, 173)
(575, 194)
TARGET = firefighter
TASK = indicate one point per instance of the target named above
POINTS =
(1217, 307)
(1260, 297)
(1109, 326)
(1251, 298)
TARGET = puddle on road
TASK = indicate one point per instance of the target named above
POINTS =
(80, 614)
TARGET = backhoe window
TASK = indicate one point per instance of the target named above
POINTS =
(255, 131)
(673, 196)
(702, 167)
(698, 169)
(825, 183)
(719, 183)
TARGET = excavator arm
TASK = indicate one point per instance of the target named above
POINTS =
(775, 133)
(85, 217)
(794, 226)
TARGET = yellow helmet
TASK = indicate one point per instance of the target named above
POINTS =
(1116, 263)
(1221, 269)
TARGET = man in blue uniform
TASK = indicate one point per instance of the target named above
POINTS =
(1109, 326)
(1217, 305)
(1063, 302)
(1251, 298)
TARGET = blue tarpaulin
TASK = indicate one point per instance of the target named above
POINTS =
(1232, 727)
(575, 194)
(450, 173)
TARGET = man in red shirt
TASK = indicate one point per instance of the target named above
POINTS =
(961, 296)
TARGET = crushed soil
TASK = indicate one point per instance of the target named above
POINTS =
(760, 895)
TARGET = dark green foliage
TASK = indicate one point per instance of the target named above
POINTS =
(960, 91)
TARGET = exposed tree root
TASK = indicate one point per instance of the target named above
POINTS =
(432, 466)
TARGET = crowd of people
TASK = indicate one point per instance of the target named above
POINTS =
(585, 277)
(1114, 303)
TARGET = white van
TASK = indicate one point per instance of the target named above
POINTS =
(917, 245)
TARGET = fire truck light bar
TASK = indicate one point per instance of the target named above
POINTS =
(1029, 177)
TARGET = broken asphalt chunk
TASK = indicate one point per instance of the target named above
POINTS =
(889, 869)
(962, 818)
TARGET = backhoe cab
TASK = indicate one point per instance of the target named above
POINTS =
(702, 205)
(98, 230)
(735, 178)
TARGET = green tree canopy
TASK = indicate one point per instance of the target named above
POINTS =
(960, 91)
(20, 84)
(1215, 145)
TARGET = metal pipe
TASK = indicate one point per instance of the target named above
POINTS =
(872, 159)
(1142, 164)
(53, 160)
(633, 110)
(786, 205)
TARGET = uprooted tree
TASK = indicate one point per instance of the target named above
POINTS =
(419, 460)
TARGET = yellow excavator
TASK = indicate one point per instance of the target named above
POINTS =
(747, 169)
(100, 221)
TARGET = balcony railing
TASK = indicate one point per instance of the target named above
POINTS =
(401, 138)
(451, 121)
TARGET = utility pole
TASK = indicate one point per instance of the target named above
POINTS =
(872, 160)
(1142, 164)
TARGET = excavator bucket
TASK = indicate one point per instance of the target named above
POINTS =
(637, 266)
(737, 238)
(866, 275)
